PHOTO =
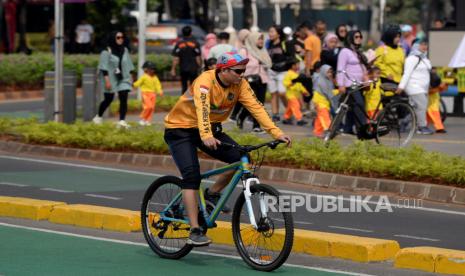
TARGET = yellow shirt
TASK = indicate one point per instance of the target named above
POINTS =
(293, 91)
(206, 102)
(149, 84)
(313, 44)
(373, 97)
(390, 61)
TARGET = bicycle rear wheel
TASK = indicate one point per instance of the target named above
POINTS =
(396, 125)
(267, 247)
(166, 238)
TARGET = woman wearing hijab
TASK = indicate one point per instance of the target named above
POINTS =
(210, 41)
(390, 57)
(115, 66)
(353, 62)
(341, 32)
(416, 81)
(330, 51)
(322, 98)
(256, 72)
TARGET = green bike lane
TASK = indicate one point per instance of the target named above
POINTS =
(34, 252)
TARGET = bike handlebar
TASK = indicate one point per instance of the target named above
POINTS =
(355, 82)
(248, 148)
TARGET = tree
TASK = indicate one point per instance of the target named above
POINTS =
(403, 11)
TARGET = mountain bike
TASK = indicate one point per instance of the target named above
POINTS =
(263, 236)
(393, 123)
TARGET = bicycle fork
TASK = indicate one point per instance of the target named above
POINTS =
(248, 194)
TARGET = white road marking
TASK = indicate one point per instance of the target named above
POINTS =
(417, 238)
(56, 190)
(103, 196)
(351, 229)
(145, 245)
(13, 184)
(434, 210)
(296, 221)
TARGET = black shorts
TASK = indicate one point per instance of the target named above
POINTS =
(183, 144)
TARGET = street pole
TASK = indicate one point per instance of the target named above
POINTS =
(141, 36)
(277, 12)
(59, 24)
(230, 27)
(254, 27)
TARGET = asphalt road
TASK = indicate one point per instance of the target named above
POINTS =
(423, 224)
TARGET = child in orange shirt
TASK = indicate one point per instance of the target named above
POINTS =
(150, 86)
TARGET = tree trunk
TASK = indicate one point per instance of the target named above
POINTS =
(22, 47)
(247, 19)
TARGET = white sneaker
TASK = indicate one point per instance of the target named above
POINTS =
(142, 123)
(147, 123)
(122, 123)
(97, 120)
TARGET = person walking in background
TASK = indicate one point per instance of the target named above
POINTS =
(320, 29)
(255, 73)
(354, 63)
(221, 47)
(416, 81)
(323, 98)
(210, 41)
(390, 57)
(150, 86)
(312, 46)
(407, 38)
(341, 32)
(84, 37)
(186, 53)
(240, 47)
(281, 53)
(115, 68)
(330, 51)
(294, 92)
(210, 64)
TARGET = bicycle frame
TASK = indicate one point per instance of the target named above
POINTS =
(241, 169)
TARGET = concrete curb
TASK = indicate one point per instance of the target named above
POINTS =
(427, 191)
(431, 259)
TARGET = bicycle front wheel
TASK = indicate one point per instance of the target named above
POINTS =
(396, 125)
(268, 246)
(166, 238)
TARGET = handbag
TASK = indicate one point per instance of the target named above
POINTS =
(253, 78)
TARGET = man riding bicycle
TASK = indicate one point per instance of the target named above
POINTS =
(195, 122)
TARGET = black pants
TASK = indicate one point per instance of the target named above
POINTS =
(183, 144)
(259, 89)
(356, 98)
(123, 103)
(187, 76)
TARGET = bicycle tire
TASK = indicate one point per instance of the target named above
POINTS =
(443, 110)
(241, 243)
(396, 124)
(333, 127)
(168, 252)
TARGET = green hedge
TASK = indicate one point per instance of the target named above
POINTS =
(20, 70)
(360, 158)
(164, 103)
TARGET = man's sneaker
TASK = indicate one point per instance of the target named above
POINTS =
(302, 123)
(97, 120)
(424, 131)
(258, 130)
(142, 123)
(287, 121)
(123, 124)
(213, 198)
(197, 238)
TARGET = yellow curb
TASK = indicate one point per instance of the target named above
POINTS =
(97, 217)
(432, 259)
(20, 207)
(355, 248)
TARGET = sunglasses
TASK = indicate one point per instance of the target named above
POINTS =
(358, 36)
(119, 37)
(238, 71)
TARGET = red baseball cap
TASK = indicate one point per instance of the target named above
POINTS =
(230, 59)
